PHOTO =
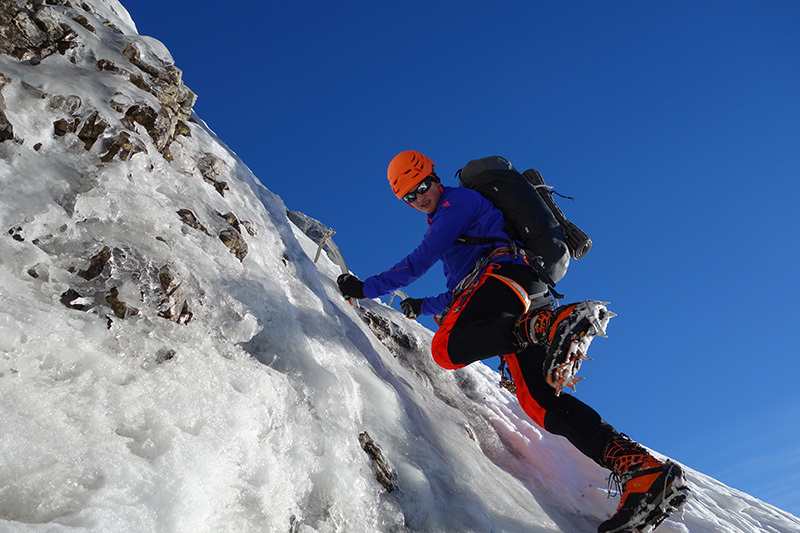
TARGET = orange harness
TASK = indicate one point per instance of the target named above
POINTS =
(476, 277)
(516, 288)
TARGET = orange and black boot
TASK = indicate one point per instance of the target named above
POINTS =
(651, 489)
(566, 332)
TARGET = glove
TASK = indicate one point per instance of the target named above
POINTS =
(411, 307)
(350, 286)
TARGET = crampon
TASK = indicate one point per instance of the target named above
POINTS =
(572, 330)
(644, 512)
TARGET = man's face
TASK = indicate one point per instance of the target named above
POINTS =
(425, 196)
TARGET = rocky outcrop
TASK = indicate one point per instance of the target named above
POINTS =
(32, 31)
(127, 99)
(35, 30)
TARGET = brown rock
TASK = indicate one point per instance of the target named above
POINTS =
(235, 242)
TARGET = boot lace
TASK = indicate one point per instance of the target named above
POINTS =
(542, 321)
(616, 485)
(624, 458)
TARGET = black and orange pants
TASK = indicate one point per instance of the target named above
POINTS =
(481, 325)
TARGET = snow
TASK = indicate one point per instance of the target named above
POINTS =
(247, 417)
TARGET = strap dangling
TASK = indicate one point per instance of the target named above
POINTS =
(505, 381)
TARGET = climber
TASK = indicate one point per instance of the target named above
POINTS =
(496, 305)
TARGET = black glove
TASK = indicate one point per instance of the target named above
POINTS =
(351, 286)
(412, 307)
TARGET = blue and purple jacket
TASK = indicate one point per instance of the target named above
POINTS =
(461, 211)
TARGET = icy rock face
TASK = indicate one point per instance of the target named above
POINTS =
(33, 31)
(129, 267)
(81, 93)
(388, 333)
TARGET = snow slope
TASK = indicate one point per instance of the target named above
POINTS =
(171, 358)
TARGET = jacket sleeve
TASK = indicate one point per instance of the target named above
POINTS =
(434, 305)
(447, 224)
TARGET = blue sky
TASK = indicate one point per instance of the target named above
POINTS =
(674, 125)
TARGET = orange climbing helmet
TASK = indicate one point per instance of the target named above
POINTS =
(407, 170)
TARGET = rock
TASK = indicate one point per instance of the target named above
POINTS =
(384, 472)
(389, 333)
(96, 264)
(142, 114)
(237, 224)
(165, 83)
(235, 242)
(172, 306)
(164, 355)
(31, 33)
(158, 124)
(231, 219)
(16, 233)
(210, 166)
(62, 126)
(140, 82)
(68, 104)
(92, 128)
(124, 146)
(232, 237)
(6, 128)
(70, 296)
(107, 64)
(120, 308)
(184, 316)
(182, 128)
(188, 218)
(83, 21)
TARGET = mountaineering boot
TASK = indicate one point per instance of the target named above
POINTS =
(566, 332)
(651, 489)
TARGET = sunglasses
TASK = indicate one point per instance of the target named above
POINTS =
(422, 188)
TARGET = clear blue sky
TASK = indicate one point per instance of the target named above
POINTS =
(675, 125)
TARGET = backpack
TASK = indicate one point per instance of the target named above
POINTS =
(531, 215)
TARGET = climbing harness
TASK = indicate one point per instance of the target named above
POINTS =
(470, 282)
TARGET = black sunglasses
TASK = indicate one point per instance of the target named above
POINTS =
(422, 188)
